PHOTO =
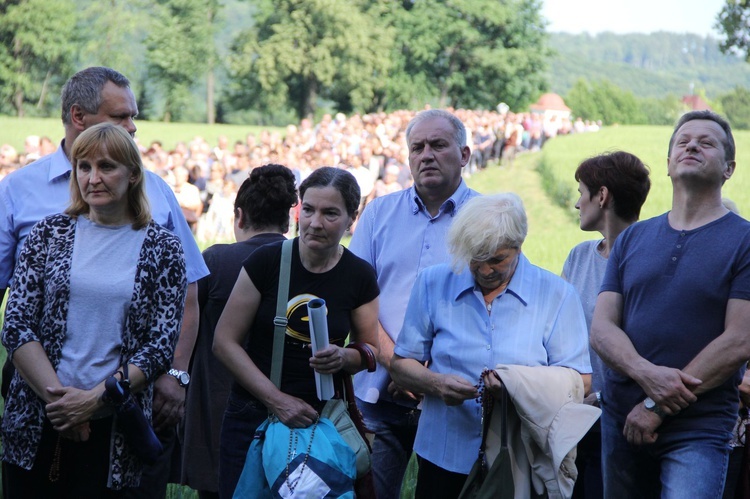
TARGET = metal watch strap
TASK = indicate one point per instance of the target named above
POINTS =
(654, 407)
(177, 374)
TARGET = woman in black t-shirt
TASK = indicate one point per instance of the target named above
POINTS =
(243, 342)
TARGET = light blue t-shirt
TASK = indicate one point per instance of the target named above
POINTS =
(399, 238)
(43, 188)
(102, 277)
(584, 269)
(536, 321)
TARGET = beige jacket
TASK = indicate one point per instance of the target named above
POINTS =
(546, 420)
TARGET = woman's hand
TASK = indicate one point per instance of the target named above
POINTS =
(293, 412)
(331, 359)
(78, 433)
(72, 408)
(493, 384)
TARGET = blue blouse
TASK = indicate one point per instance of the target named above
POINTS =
(537, 321)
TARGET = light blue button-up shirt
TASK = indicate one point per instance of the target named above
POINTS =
(537, 321)
(43, 188)
(398, 237)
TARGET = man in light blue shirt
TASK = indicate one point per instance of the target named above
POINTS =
(91, 96)
(399, 235)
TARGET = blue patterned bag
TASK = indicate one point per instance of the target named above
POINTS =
(307, 462)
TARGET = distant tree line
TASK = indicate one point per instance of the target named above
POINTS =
(275, 60)
(641, 79)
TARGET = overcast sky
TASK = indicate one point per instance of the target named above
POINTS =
(629, 16)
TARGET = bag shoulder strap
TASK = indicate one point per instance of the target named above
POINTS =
(488, 412)
(280, 321)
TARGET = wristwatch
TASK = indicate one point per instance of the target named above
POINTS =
(650, 405)
(182, 377)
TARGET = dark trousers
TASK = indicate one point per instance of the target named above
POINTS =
(155, 477)
(434, 482)
(241, 419)
(83, 467)
(589, 463)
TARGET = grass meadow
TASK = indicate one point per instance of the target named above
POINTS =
(544, 180)
(562, 155)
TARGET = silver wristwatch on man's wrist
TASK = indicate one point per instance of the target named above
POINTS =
(182, 377)
(650, 405)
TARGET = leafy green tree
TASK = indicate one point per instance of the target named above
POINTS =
(736, 105)
(304, 50)
(113, 32)
(649, 65)
(469, 53)
(733, 21)
(36, 47)
(179, 50)
(665, 111)
(581, 101)
(603, 100)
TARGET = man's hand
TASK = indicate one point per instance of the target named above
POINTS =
(745, 389)
(591, 399)
(640, 426)
(454, 389)
(169, 402)
(670, 388)
(400, 393)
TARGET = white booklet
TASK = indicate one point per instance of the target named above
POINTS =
(317, 314)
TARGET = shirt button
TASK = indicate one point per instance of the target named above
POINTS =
(674, 258)
(427, 246)
(489, 347)
(679, 246)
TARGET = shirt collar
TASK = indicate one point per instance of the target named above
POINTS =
(449, 206)
(59, 164)
(518, 285)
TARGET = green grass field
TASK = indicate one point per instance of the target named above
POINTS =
(553, 226)
(649, 143)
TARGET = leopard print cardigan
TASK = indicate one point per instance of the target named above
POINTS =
(37, 309)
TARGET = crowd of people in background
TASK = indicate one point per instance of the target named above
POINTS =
(372, 147)
(423, 330)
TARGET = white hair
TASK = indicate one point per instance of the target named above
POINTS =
(484, 225)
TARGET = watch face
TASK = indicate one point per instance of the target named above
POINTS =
(649, 404)
(184, 378)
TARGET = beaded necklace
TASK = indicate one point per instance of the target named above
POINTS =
(293, 441)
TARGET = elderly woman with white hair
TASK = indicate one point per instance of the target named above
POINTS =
(504, 310)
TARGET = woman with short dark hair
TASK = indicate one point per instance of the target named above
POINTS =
(612, 187)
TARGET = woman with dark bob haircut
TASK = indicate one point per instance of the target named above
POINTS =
(321, 268)
(98, 291)
(261, 216)
(613, 187)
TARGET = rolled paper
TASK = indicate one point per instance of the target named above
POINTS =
(317, 313)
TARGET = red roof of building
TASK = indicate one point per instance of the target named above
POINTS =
(695, 103)
(550, 101)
